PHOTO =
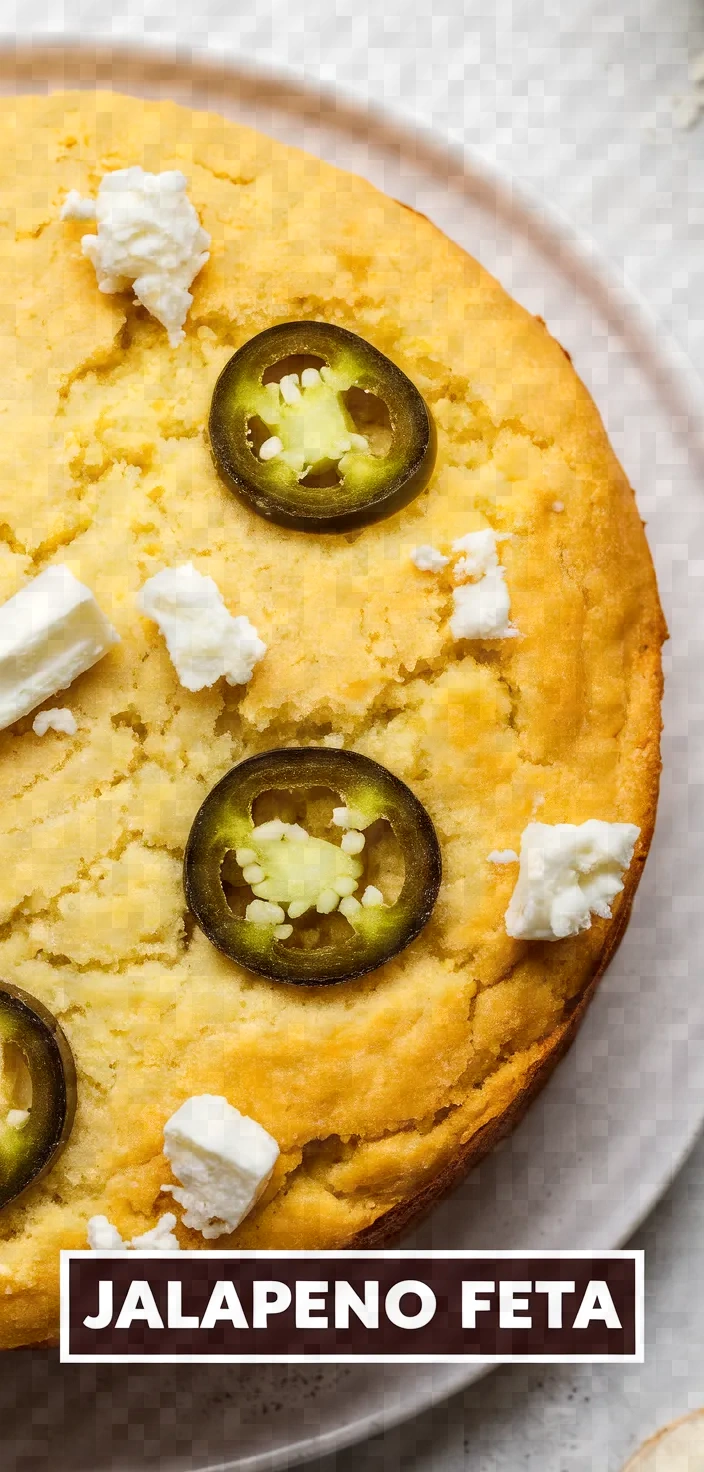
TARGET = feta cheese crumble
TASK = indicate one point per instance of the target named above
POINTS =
(160, 1238)
(481, 608)
(149, 237)
(50, 632)
(104, 1237)
(479, 554)
(428, 559)
(203, 639)
(75, 208)
(222, 1159)
(58, 719)
(502, 856)
(568, 873)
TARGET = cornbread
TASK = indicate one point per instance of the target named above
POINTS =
(377, 1091)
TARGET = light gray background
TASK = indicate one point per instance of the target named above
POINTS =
(571, 97)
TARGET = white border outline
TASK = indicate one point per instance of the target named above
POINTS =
(400, 1255)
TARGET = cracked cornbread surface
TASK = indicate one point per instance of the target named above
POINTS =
(375, 1089)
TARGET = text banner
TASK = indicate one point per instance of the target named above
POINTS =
(376, 1307)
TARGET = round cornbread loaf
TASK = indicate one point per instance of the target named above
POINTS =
(378, 1091)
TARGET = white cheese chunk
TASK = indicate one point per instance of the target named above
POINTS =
(159, 1238)
(202, 637)
(103, 1236)
(61, 720)
(568, 873)
(502, 856)
(482, 609)
(428, 559)
(479, 554)
(75, 208)
(149, 237)
(50, 632)
(223, 1160)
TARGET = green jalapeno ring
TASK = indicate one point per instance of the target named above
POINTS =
(28, 1152)
(371, 487)
(224, 823)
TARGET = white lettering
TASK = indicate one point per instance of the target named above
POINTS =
(597, 1304)
(308, 1297)
(139, 1304)
(424, 1314)
(224, 1304)
(175, 1315)
(555, 1291)
(509, 1303)
(104, 1314)
(471, 1304)
(366, 1309)
(268, 1298)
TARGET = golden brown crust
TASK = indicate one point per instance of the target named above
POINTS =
(411, 1212)
(379, 1092)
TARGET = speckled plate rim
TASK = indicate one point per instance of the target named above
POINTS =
(65, 62)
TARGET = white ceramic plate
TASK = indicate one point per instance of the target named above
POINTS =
(608, 1133)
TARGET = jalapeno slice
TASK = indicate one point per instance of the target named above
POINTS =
(343, 437)
(340, 876)
(37, 1091)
